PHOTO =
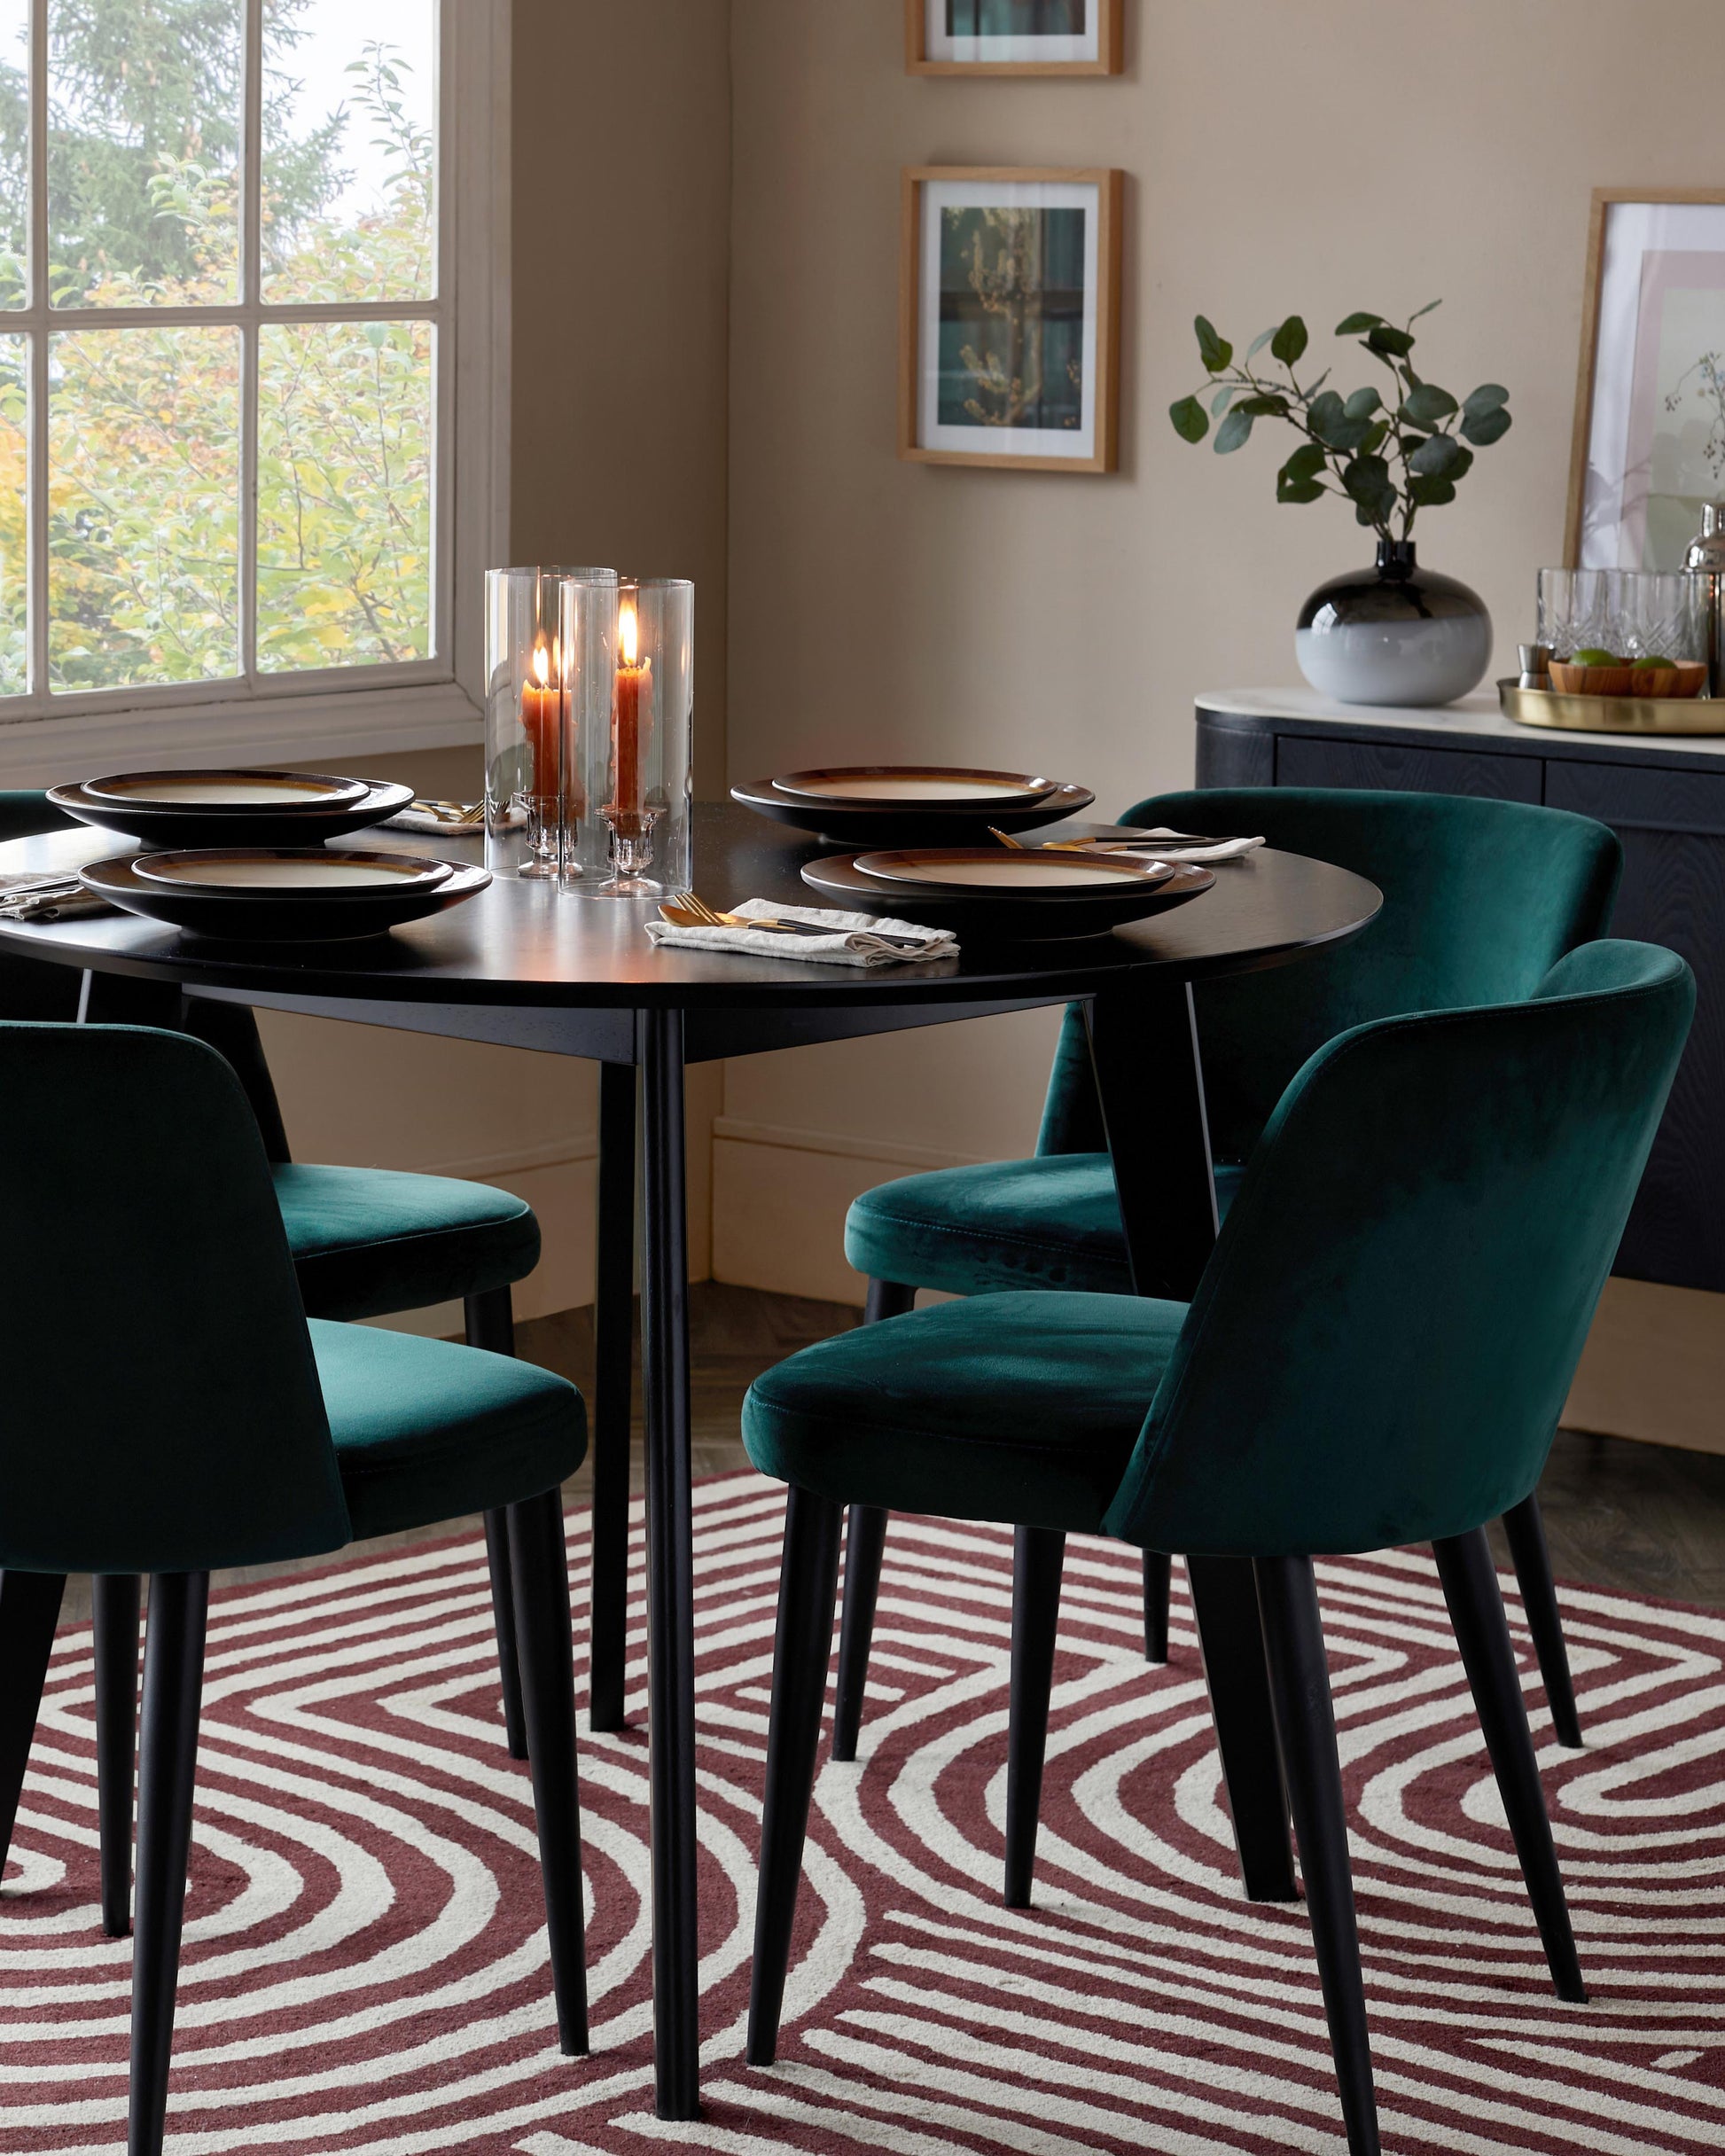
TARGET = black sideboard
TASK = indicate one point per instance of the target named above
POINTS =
(1664, 798)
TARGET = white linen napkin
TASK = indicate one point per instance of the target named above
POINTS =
(853, 939)
(40, 895)
(1212, 849)
(419, 816)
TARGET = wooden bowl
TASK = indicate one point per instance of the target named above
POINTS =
(1571, 680)
(1684, 679)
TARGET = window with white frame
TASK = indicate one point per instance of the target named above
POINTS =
(227, 382)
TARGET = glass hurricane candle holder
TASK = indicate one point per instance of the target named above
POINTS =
(525, 717)
(587, 637)
(646, 810)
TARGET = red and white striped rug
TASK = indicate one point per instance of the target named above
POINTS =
(365, 1970)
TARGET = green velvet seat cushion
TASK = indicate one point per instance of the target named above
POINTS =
(1051, 1223)
(427, 1430)
(1021, 1407)
(367, 1241)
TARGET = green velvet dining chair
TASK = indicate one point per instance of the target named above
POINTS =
(170, 1410)
(367, 1242)
(1480, 898)
(1377, 1353)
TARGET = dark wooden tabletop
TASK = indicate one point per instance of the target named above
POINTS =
(525, 944)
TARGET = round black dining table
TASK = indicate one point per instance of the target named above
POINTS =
(525, 965)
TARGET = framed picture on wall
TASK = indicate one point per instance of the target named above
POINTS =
(1013, 36)
(1009, 313)
(1649, 446)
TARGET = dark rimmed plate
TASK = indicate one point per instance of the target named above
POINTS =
(166, 825)
(218, 792)
(1007, 917)
(921, 788)
(269, 916)
(895, 824)
(998, 870)
(303, 874)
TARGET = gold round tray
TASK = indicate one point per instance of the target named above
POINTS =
(1611, 715)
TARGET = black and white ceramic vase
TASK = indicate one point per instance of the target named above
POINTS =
(1395, 634)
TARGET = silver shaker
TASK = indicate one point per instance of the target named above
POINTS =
(1707, 557)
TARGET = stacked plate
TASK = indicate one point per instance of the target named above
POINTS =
(920, 804)
(230, 807)
(1022, 895)
(281, 893)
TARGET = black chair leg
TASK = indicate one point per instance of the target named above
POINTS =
(1157, 1566)
(1475, 1610)
(491, 1325)
(1305, 1731)
(29, 1610)
(613, 1330)
(865, 1538)
(1038, 1556)
(115, 1601)
(540, 1573)
(173, 1690)
(1230, 1637)
(809, 1572)
(1525, 1528)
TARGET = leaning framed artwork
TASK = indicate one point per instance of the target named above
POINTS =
(1649, 446)
(1013, 36)
(1009, 317)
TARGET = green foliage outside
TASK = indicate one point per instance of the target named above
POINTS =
(144, 423)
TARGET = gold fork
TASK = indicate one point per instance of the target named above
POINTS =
(684, 909)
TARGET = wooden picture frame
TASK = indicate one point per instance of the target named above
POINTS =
(1588, 506)
(937, 424)
(1110, 56)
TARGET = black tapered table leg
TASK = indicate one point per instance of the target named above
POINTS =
(173, 1690)
(29, 1610)
(1231, 1639)
(491, 1325)
(670, 1573)
(114, 1600)
(1524, 1525)
(539, 1571)
(1475, 1610)
(614, 1327)
(865, 1543)
(1158, 1567)
(1305, 1726)
(1038, 1556)
(802, 1645)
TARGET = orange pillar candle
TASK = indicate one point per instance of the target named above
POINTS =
(631, 722)
(542, 705)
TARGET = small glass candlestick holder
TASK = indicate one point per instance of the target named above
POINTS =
(588, 640)
(525, 718)
(646, 811)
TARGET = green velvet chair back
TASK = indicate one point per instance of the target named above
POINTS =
(162, 1409)
(1480, 898)
(1383, 1339)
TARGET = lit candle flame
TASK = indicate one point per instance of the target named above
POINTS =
(629, 633)
(542, 664)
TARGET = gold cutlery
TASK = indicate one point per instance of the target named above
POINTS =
(1146, 844)
(684, 909)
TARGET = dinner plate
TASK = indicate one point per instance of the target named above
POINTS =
(860, 823)
(304, 820)
(216, 793)
(996, 869)
(244, 873)
(256, 916)
(941, 787)
(1007, 915)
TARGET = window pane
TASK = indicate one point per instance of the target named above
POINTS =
(344, 493)
(14, 152)
(14, 528)
(348, 141)
(143, 506)
(143, 131)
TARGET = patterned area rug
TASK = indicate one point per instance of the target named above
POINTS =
(365, 1974)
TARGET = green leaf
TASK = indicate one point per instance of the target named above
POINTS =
(1487, 397)
(1427, 309)
(1235, 431)
(1289, 341)
(1306, 463)
(1369, 482)
(1428, 404)
(1330, 422)
(1297, 490)
(1214, 351)
(1393, 344)
(1439, 457)
(1363, 403)
(1269, 407)
(1485, 428)
(1429, 492)
(1258, 342)
(1191, 421)
(1219, 403)
(1355, 324)
(1376, 437)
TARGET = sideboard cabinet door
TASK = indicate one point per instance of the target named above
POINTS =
(1310, 759)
